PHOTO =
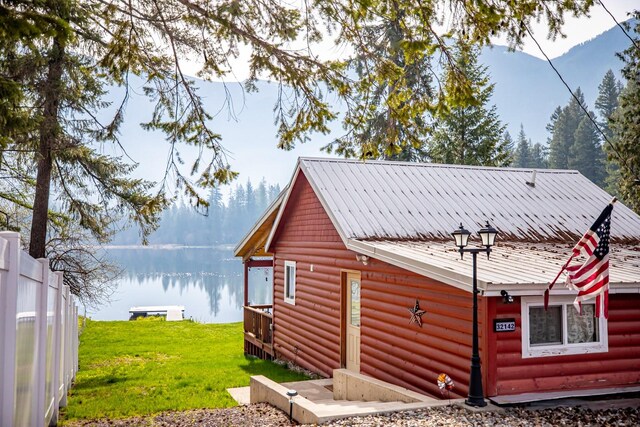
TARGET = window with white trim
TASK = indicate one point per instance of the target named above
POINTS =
(561, 329)
(290, 282)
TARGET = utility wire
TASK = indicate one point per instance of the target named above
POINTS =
(624, 30)
(582, 107)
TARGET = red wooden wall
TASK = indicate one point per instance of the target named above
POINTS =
(398, 352)
(619, 366)
(391, 349)
(309, 332)
(405, 354)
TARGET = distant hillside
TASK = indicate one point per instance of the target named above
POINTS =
(527, 91)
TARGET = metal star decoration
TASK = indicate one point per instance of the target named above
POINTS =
(416, 314)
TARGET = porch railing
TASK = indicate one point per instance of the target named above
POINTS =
(258, 322)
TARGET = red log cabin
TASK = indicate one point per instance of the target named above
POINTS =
(355, 245)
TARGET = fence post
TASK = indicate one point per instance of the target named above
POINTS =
(65, 348)
(8, 312)
(41, 359)
(57, 346)
(76, 341)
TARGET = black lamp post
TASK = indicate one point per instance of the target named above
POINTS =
(488, 236)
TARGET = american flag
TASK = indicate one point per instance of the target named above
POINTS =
(591, 278)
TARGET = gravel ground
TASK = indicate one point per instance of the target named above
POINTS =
(251, 416)
(455, 416)
(452, 416)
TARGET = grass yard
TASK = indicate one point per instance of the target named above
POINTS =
(147, 366)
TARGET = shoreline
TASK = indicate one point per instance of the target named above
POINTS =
(169, 246)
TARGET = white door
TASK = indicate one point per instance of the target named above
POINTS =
(353, 322)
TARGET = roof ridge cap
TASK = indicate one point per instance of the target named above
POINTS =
(436, 165)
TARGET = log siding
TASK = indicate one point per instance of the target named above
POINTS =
(309, 332)
(618, 367)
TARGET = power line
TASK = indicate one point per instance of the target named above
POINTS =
(633, 41)
(582, 107)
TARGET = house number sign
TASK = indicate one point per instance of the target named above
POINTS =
(504, 325)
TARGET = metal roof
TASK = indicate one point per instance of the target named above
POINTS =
(520, 268)
(381, 200)
(404, 213)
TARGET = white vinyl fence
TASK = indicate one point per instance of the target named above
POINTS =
(38, 338)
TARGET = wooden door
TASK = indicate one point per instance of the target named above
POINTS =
(352, 321)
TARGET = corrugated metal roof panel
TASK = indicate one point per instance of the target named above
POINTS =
(413, 201)
(511, 263)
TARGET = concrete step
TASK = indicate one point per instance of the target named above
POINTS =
(356, 404)
(336, 409)
(314, 404)
(345, 402)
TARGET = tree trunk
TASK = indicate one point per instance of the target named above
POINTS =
(49, 132)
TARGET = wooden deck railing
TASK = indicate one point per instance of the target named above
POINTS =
(258, 322)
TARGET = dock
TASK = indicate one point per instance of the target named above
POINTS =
(172, 312)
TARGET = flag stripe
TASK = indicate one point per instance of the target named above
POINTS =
(595, 289)
(576, 269)
(590, 277)
(588, 243)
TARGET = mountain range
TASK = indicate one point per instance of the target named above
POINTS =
(527, 90)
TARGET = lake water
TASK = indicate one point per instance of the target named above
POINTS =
(207, 281)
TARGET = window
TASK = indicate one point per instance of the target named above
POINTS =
(355, 303)
(290, 282)
(561, 329)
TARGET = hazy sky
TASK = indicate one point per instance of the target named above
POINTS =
(579, 30)
(255, 159)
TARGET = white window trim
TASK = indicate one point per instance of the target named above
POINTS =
(291, 300)
(528, 351)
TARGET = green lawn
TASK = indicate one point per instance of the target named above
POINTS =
(148, 366)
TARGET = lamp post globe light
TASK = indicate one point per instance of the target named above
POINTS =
(487, 236)
(461, 236)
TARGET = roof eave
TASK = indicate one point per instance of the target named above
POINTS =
(443, 275)
(529, 289)
(464, 282)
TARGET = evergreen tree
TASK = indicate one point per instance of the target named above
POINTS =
(250, 205)
(262, 200)
(522, 158)
(469, 133)
(626, 127)
(552, 121)
(274, 192)
(560, 142)
(377, 129)
(538, 156)
(510, 146)
(216, 216)
(575, 142)
(586, 152)
(607, 101)
(608, 92)
(564, 126)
